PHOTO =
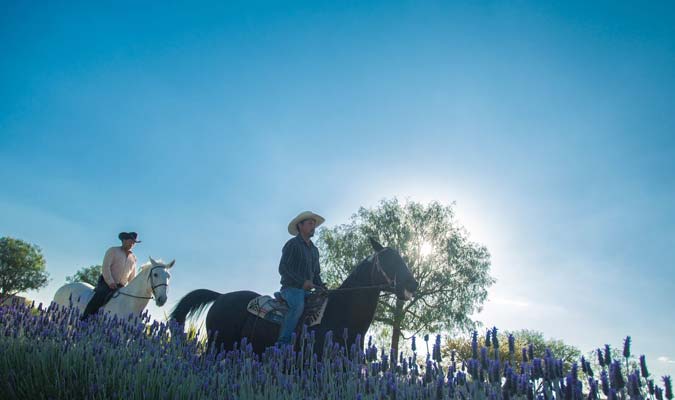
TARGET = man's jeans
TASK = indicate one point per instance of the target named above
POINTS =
(296, 304)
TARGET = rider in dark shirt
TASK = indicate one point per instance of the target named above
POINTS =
(299, 269)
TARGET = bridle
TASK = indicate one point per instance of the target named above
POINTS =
(377, 267)
(152, 285)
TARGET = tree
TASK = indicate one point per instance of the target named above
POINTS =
(88, 275)
(22, 267)
(522, 339)
(452, 271)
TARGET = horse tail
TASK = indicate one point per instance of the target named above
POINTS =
(193, 304)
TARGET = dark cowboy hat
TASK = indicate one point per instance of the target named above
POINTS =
(128, 235)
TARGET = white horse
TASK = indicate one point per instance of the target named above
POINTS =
(151, 281)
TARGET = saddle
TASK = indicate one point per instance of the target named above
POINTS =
(274, 309)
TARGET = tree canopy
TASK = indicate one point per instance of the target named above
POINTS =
(533, 343)
(88, 274)
(22, 267)
(452, 271)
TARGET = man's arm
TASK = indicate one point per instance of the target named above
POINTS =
(132, 273)
(106, 268)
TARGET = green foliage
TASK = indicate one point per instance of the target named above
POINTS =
(88, 274)
(453, 273)
(22, 267)
(523, 338)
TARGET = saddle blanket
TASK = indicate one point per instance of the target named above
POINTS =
(274, 310)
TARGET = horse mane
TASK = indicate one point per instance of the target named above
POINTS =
(354, 275)
(148, 264)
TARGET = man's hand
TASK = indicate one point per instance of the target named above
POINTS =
(113, 286)
(308, 285)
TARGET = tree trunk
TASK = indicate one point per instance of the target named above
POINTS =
(396, 327)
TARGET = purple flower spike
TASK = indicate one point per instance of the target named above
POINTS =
(643, 367)
(604, 380)
(474, 345)
(626, 347)
(658, 392)
(669, 387)
(612, 395)
(616, 377)
(601, 360)
(608, 356)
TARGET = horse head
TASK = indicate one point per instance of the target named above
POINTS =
(158, 280)
(394, 271)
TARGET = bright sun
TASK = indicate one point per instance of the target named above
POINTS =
(425, 249)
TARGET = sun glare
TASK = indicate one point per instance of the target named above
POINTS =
(425, 249)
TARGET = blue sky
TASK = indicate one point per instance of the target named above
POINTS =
(206, 128)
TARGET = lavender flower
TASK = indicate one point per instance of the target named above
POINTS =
(589, 370)
(626, 347)
(604, 380)
(667, 383)
(612, 395)
(484, 357)
(633, 385)
(537, 369)
(616, 376)
(601, 360)
(474, 345)
(437, 349)
(583, 365)
(593, 388)
(643, 367)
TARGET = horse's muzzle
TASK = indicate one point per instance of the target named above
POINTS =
(160, 301)
(407, 290)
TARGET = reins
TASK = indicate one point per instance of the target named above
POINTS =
(152, 285)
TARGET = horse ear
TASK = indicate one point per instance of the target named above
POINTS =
(375, 244)
(169, 265)
(152, 261)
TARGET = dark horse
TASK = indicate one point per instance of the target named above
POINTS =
(351, 306)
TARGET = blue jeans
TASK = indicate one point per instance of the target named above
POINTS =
(296, 304)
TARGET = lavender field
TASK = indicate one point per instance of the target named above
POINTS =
(50, 354)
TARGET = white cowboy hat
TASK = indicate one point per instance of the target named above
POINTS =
(293, 225)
